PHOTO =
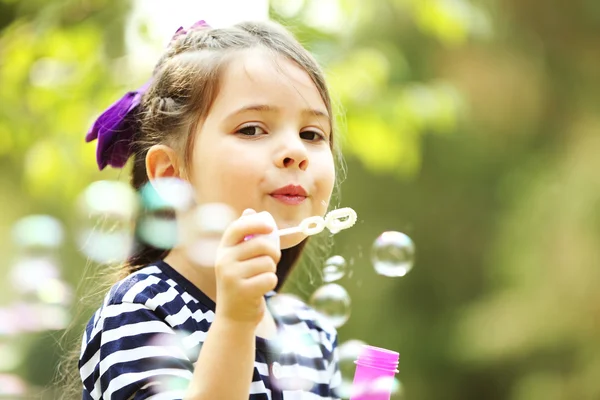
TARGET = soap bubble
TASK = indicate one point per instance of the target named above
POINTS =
(158, 230)
(9, 322)
(378, 387)
(213, 218)
(348, 353)
(393, 254)
(108, 209)
(12, 385)
(181, 343)
(167, 193)
(334, 269)
(161, 200)
(203, 230)
(36, 233)
(291, 343)
(175, 386)
(11, 355)
(283, 305)
(28, 274)
(55, 291)
(397, 389)
(332, 303)
(39, 317)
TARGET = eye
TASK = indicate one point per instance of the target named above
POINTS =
(251, 130)
(312, 136)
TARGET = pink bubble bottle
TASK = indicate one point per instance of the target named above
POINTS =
(374, 376)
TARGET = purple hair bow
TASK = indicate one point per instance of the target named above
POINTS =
(114, 130)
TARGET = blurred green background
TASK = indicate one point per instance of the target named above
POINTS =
(471, 126)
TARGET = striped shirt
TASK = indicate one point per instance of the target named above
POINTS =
(145, 339)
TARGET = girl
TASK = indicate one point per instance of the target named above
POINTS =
(244, 115)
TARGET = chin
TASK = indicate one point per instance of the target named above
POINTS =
(291, 240)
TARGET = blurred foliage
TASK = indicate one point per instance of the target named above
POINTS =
(471, 126)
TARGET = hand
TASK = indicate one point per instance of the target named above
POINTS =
(245, 270)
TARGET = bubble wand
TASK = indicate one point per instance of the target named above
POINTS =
(335, 221)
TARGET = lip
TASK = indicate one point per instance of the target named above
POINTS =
(290, 190)
(290, 194)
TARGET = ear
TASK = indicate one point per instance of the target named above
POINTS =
(163, 162)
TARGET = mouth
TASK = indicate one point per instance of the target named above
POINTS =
(290, 194)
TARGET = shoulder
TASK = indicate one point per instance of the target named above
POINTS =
(150, 286)
(139, 286)
(147, 295)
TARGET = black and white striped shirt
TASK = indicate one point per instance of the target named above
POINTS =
(144, 341)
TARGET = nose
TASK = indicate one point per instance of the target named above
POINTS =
(293, 155)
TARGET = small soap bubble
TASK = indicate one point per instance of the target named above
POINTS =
(108, 210)
(348, 353)
(203, 231)
(159, 230)
(28, 317)
(290, 340)
(11, 356)
(9, 322)
(213, 217)
(168, 345)
(332, 303)
(109, 198)
(36, 233)
(397, 389)
(12, 385)
(283, 305)
(388, 385)
(393, 254)
(42, 268)
(291, 343)
(178, 344)
(39, 317)
(167, 193)
(163, 201)
(350, 350)
(289, 378)
(175, 386)
(55, 291)
(334, 269)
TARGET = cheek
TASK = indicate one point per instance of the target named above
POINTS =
(325, 181)
(220, 176)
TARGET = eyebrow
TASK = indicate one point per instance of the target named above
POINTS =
(272, 109)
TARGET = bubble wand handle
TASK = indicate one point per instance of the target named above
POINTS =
(309, 226)
(335, 221)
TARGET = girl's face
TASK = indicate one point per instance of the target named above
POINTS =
(265, 143)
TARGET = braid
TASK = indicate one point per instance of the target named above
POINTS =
(204, 39)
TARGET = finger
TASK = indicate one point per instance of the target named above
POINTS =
(257, 266)
(256, 247)
(248, 211)
(239, 229)
(261, 284)
(238, 271)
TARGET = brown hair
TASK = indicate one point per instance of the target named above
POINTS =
(184, 85)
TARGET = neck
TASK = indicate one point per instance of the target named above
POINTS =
(203, 277)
